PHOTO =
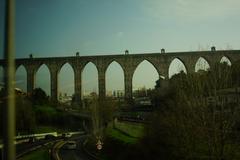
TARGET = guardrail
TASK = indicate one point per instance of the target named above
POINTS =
(25, 138)
(40, 135)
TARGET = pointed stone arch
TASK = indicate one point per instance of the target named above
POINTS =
(21, 78)
(89, 78)
(87, 63)
(144, 69)
(176, 66)
(21, 65)
(44, 81)
(66, 81)
(116, 90)
(61, 65)
(39, 65)
(150, 62)
(225, 59)
(202, 64)
(116, 61)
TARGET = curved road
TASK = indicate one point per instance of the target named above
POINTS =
(76, 154)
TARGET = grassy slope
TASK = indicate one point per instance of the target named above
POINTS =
(113, 133)
(132, 129)
(119, 143)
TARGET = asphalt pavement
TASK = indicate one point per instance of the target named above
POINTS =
(75, 154)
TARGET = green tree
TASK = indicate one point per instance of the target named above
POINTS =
(39, 97)
(102, 114)
(194, 119)
(25, 116)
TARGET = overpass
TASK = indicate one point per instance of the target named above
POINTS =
(128, 62)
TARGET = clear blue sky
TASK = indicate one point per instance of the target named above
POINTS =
(92, 27)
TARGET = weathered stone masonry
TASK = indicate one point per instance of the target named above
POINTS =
(129, 62)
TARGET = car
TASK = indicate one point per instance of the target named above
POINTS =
(66, 135)
(70, 145)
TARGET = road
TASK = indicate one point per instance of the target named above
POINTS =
(77, 154)
(24, 148)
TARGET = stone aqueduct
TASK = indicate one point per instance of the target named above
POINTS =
(128, 62)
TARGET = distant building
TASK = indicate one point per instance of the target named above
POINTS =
(64, 98)
(141, 92)
(109, 94)
(90, 95)
(118, 93)
(225, 96)
(145, 101)
(115, 93)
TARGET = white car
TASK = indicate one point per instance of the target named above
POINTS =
(66, 135)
